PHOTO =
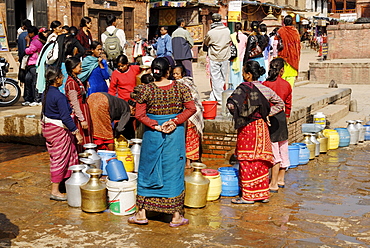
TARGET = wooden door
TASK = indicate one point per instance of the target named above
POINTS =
(129, 23)
(10, 21)
(40, 14)
(77, 12)
(102, 24)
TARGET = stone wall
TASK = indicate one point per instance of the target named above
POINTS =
(220, 137)
(345, 72)
(348, 41)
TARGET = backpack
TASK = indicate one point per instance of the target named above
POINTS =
(233, 51)
(112, 45)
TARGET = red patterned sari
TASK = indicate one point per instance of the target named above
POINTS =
(254, 152)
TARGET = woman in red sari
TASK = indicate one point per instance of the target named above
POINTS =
(76, 94)
(250, 106)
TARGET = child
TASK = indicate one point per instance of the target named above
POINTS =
(76, 94)
(279, 128)
(195, 124)
(123, 79)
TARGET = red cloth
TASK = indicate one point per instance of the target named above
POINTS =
(84, 39)
(71, 84)
(61, 146)
(292, 46)
(284, 90)
(192, 141)
(254, 152)
(123, 83)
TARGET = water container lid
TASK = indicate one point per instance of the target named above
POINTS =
(111, 159)
(210, 172)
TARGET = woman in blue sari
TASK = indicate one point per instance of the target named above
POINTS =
(95, 70)
(162, 106)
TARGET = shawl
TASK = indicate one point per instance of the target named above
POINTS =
(292, 46)
(89, 63)
(247, 104)
(197, 118)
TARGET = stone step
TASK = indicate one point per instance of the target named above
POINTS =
(334, 113)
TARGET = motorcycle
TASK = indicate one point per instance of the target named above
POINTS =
(10, 92)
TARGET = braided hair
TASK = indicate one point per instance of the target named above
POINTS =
(275, 67)
(71, 63)
(238, 27)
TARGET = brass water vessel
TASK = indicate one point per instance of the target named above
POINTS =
(196, 187)
(94, 193)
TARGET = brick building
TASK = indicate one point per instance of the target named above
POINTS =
(131, 15)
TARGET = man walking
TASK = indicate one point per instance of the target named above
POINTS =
(163, 44)
(182, 43)
(218, 42)
(291, 49)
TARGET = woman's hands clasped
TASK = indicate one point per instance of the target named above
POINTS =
(167, 127)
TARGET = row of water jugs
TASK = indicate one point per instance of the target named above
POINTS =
(318, 140)
(85, 190)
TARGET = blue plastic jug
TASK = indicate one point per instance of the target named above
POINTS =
(116, 170)
(304, 153)
(344, 136)
(293, 155)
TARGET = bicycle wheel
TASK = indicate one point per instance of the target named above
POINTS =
(10, 93)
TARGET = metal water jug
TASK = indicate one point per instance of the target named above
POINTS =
(323, 142)
(73, 185)
(91, 148)
(136, 149)
(310, 145)
(317, 144)
(361, 130)
(225, 96)
(94, 193)
(353, 131)
(196, 187)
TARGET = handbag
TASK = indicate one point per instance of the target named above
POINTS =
(280, 45)
(233, 51)
(256, 50)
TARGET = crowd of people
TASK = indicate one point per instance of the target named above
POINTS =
(90, 98)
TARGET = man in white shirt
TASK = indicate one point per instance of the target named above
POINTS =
(112, 23)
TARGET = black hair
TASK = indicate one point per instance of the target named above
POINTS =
(66, 27)
(255, 26)
(122, 59)
(164, 27)
(254, 68)
(55, 24)
(110, 19)
(275, 67)
(51, 75)
(288, 20)
(160, 68)
(183, 70)
(93, 46)
(84, 21)
(147, 79)
(263, 27)
(27, 23)
(274, 32)
(33, 30)
(238, 27)
(73, 30)
(42, 36)
(179, 21)
(71, 63)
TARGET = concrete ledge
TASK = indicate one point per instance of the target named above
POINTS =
(334, 113)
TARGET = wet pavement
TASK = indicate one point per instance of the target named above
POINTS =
(325, 204)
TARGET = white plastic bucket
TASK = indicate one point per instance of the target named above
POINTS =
(122, 195)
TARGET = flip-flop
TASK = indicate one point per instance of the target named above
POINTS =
(281, 186)
(183, 222)
(274, 191)
(58, 198)
(265, 201)
(239, 200)
(133, 220)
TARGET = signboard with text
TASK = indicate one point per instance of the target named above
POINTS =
(235, 9)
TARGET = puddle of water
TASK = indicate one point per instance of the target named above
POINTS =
(351, 206)
(348, 238)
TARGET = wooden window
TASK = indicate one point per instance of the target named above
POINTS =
(129, 23)
(77, 12)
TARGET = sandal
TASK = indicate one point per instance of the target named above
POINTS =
(281, 186)
(182, 222)
(240, 200)
(133, 220)
(58, 198)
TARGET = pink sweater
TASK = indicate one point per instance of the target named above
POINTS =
(34, 49)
